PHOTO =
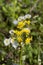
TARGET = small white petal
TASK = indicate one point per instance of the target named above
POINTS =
(27, 16)
(7, 42)
(14, 43)
(21, 18)
(11, 31)
(15, 22)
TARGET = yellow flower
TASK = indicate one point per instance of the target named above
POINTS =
(19, 39)
(25, 30)
(21, 24)
(18, 33)
(27, 41)
(27, 22)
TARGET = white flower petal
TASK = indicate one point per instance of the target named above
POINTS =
(7, 42)
(27, 16)
(15, 44)
(21, 18)
(15, 22)
(11, 31)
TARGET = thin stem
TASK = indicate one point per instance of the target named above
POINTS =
(21, 56)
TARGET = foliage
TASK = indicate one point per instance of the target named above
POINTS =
(10, 10)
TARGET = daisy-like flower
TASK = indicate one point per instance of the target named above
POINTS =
(11, 31)
(15, 22)
(27, 16)
(7, 41)
(14, 43)
(21, 18)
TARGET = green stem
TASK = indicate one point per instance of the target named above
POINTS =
(21, 56)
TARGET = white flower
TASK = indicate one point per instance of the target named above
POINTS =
(27, 16)
(14, 43)
(7, 41)
(15, 22)
(21, 18)
(11, 31)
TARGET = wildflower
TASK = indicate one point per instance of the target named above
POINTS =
(27, 41)
(14, 43)
(27, 16)
(15, 22)
(21, 18)
(21, 24)
(19, 39)
(11, 31)
(18, 33)
(25, 30)
(27, 22)
(7, 42)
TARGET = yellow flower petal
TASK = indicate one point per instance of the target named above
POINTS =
(25, 30)
(18, 33)
(21, 24)
(19, 39)
(27, 22)
(28, 40)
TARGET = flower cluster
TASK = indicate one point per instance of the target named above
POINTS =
(21, 33)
